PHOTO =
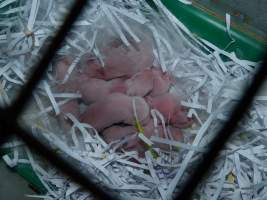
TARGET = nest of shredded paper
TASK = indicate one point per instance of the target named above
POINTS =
(207, 79)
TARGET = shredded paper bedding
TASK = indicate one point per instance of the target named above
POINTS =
(190, 76)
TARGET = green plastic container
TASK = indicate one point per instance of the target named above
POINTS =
(206, 24)
(249, 43)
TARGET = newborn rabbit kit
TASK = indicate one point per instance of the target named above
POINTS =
(125, 104)
(126, 90)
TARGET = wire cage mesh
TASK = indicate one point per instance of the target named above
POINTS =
(11, 123)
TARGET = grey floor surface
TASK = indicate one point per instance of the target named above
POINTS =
(12, 186)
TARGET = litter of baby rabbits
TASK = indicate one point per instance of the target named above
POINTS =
(159, 93)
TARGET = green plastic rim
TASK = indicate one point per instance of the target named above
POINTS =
(211, 26)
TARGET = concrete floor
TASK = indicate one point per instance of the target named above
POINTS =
(13, 187)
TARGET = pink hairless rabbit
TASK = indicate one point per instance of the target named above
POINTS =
(169, 106)
(94, 90)
(107, 93)
(115, 108)
(118, 133)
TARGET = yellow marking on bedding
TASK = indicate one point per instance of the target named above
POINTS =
(231, 178)
(139, 126)
(141, 130)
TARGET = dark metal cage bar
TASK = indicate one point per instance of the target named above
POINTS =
(9, 120)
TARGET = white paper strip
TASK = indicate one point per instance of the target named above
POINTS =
(51, 97)
(33, 14)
